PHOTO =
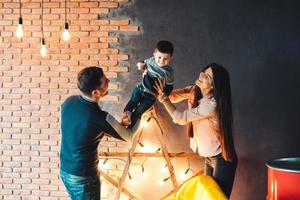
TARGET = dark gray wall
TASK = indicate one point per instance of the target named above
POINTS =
(258, 42)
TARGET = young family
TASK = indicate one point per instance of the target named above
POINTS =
(208, 119)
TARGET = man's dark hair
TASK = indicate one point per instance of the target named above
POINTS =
(89, 79)
(165, 47)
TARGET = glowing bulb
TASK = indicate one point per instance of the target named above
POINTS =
(160, 182)
(43, 49)
(148, 148)
(164, 169)
(144, 124)
(66, 34)
(19, 31)
(104, 188)
(144, 175)
(184, 175)
(102, 164)
(123, 197)
(131, 182)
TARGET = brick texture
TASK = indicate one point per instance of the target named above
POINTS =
(32, 88)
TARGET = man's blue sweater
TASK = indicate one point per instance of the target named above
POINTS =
(83, 124)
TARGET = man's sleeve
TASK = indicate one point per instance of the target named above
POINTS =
(115, 129)
(110, 131)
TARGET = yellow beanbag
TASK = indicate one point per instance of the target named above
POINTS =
(201, 187)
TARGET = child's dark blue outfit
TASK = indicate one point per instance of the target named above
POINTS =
(144, 94)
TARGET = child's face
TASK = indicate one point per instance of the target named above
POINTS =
(162, 59)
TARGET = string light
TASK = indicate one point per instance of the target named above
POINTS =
(131, 181)
(145, 148)
(144, 123)
(185, 174)
(144, 175)
(43, 49)
(66, 34)
(141, 144)
(164, 168)
(162, 181)
(102, 164)
(19, 31)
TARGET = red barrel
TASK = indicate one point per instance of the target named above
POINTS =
(284, 179)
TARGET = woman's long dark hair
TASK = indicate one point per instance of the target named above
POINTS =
(222, 95)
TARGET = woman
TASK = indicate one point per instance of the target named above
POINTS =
(209, 117)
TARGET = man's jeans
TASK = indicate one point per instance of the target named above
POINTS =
(222, 171)
(82, 188)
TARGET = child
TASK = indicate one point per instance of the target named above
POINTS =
(144, 94)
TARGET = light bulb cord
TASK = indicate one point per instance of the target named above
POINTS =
(66, 12)
(20, 8)
(42, 19)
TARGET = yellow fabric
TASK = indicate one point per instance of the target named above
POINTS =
(201, 187)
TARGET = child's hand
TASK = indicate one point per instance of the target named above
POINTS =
(141, 66)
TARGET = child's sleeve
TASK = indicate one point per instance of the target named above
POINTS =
(169, 81)
(168, 89)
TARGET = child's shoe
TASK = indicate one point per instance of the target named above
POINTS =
(126, 119)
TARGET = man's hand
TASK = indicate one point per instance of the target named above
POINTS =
(141, 66)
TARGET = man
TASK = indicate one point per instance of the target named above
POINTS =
(83, 124)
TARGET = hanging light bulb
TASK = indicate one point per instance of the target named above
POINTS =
(43, 49)
(19, 31)
(66, 34)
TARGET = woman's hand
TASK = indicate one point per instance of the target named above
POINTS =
(159, 86)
